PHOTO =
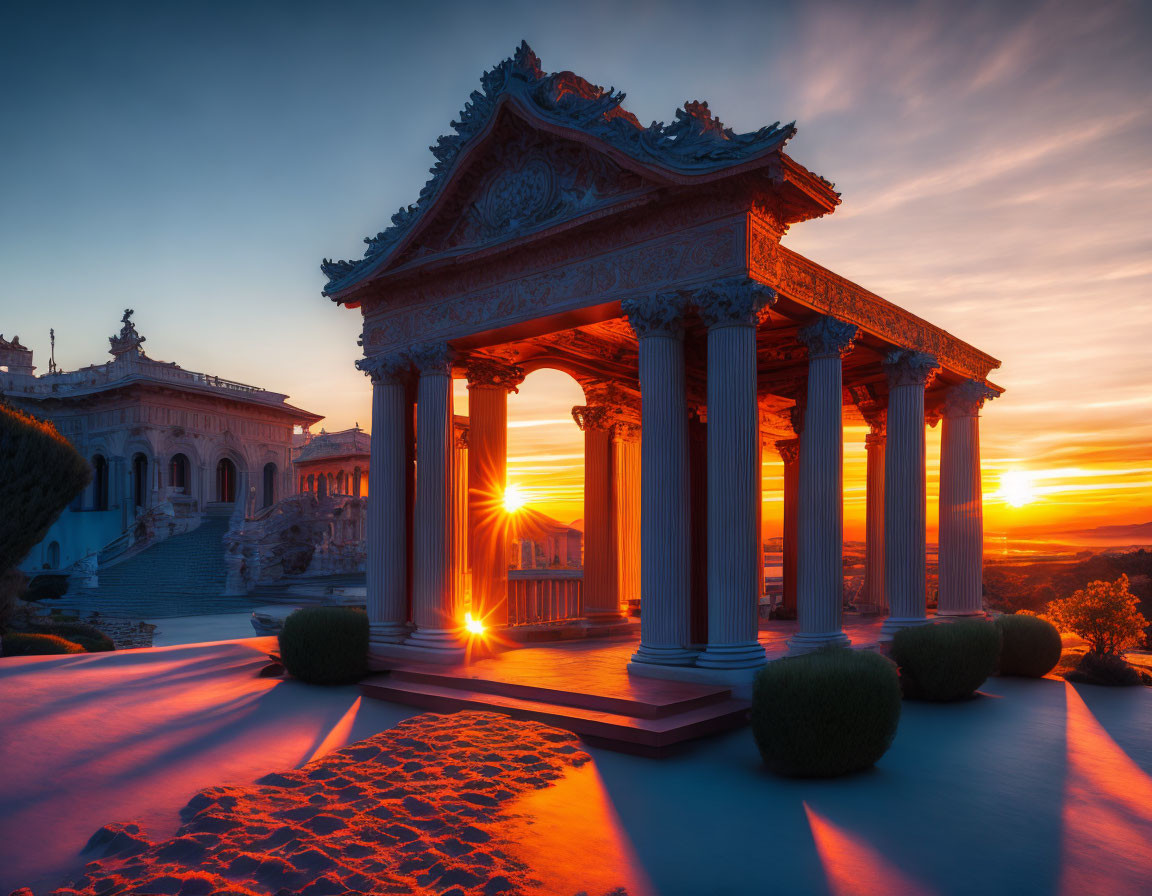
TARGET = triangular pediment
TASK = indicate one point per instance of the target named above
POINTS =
(531, 150)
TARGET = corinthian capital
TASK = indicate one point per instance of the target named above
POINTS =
(658, 315)
(386, 369)
(734, 301)
(486, 372)
(789, 450)
(827, 337)
(433, 357)
(966, 399)
(591, 417)
(909, 368)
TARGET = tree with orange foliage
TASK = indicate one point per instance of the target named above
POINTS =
(1105, 614)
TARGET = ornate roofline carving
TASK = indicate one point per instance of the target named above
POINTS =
(695, 142)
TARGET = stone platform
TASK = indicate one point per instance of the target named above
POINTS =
(585, 687)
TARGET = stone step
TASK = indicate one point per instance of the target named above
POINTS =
(655, 700)
(650, 737)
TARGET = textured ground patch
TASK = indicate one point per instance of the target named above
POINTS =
(421, 808)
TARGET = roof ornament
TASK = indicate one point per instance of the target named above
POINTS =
(52, 356)
(695, 142)
(128, 341)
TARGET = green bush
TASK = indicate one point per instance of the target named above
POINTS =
(325, 645)
(827, 713)
(1029, 646)
(27, 644)
(946, 660)
(43, 472)
(87, 636)
(1105, 669)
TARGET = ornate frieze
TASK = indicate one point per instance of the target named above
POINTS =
(827, 337)
(515, 290)
(661, 314)
(387, 368)
(696, 141)
(806, 282)
(433, 357)
(909, 368)
(967, 398)
(789, 450)
(734, 301)
(487, 372)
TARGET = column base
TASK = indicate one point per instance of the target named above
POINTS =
(388, 633)
(664, 656)
(732, 656)
(807, 642)
(894, 624)
(962, 614)
(738, 681)
(441, 642)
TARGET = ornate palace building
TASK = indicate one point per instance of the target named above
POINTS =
(157, 435)
(332, 463)
(557, 231)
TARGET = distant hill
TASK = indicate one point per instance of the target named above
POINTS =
(1129, 534)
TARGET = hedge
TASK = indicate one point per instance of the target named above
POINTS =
(325, 645)
(826, 713)
(946, 660)
(1029, 646)
(27, 644)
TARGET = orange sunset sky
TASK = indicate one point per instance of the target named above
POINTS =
(995, 162)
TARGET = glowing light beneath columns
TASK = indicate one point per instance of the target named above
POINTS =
(1016, 488)
(473, 626)
(514, 498)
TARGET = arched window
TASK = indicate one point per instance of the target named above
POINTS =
(303, 484)
(99, 483)
(54, 555)
(139, 480)
(178, 476)
(356, 480)
(312, 483)
(226, 481)
(322, 491)
(269, 484)
(340, 483)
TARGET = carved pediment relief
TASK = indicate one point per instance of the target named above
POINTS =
(528, 181)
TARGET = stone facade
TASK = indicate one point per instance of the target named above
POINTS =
(163, 442)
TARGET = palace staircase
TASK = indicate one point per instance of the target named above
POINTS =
(601, 703)
(180, 576)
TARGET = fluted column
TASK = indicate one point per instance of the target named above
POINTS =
(433, 594)
(387, 541)
(732, 310)
(664, 564)
(489, 383)
(459, 521)
(820, 516)
(601, 561)
(790, 454)
(626, 509)
(961, 536)
(905, 494)
(872, 598)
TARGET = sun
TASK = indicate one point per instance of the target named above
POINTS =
(514, 498)
(1016, 488)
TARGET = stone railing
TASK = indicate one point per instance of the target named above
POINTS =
(544, 595)
(114, 371)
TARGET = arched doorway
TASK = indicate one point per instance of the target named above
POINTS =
(340, 483)
(226, 481)
(99, 483)
(311, 487)
(54, 555)
(356, 482)
(269, 484)
(178, 473)
(139, 480)
(322, 491)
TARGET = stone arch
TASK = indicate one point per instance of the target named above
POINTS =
(180, 473)
(269, 490)
(99, 482)
(226, 480)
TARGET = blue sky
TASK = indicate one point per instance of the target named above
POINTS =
(196, 161)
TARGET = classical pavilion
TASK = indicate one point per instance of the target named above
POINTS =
(557, 231)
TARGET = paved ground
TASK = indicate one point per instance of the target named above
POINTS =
(1034, 787)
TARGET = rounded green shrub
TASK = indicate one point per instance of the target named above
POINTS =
(947, 660)
(1105, 669)
(46, 587)
(825, 714)
(29, 644)
(87, 636)
(1029, 646)
(325, 645)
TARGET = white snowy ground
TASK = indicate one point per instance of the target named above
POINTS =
(1036, 787)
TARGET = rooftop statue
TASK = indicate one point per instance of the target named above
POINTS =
(129, 339)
